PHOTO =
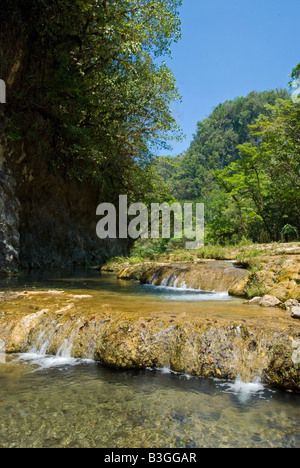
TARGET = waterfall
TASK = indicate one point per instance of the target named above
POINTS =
(38, 354)
(42, 345)
(202, 277)
(65, 350)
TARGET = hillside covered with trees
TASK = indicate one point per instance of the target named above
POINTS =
(244, 164)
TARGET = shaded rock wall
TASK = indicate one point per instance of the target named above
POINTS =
(46, 218)
(9, 224)
(48, 221)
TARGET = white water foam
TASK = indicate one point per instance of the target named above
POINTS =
(168, 370)
(245, 390)
(183, 293)
(38, 356)
(47, 361)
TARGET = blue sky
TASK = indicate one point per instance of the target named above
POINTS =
(228, 49)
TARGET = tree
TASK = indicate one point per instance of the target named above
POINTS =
(215, 145)
(266, 179)
(92, 72)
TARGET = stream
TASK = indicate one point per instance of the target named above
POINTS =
(60, 401)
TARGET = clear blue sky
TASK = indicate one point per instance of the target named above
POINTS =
(228, 49)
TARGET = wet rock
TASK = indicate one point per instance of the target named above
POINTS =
(215, 276)
(269, 301)
(203, 347)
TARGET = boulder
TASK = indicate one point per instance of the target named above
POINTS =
(295, 312)
(269, 301)
(255, 300)
(291, 303)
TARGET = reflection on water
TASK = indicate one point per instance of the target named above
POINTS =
(85, 405)
(58, 401)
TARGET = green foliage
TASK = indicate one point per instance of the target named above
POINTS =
(244, 164)
(215, 146)
(290, 233)
(265, 180)
(93, 77)
(255, 287)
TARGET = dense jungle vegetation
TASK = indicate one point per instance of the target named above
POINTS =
(244, 165)
(87, 79)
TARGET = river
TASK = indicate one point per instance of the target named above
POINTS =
(60, 401)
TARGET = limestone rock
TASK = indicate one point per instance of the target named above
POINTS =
(295, 312)
(291, 303)
(269, 301)
(255, 300)
(215, 276)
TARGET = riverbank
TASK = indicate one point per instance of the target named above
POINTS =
(269, 269)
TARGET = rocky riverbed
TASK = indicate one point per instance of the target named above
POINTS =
(265, 343)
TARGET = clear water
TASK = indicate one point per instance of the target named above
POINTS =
(57, 401)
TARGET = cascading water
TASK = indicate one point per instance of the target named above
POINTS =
(39, 356)
(214, 277)
(177, 286)
(65, 351)
(130, 325)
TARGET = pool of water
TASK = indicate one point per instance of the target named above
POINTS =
(53, 403)
(49, 401)
(133, 297)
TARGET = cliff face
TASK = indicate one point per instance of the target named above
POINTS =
(46, 220)
(47, 217)
(9, 224)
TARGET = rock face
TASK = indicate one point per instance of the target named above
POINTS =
(9, 224)
(47, 221)
(47, 215)
(58, 224)
(203, 346)
(278, 276)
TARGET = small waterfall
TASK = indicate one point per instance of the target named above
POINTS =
(215, 277)
(65, 350)
(39, 353)
(42, 345)
(166, 281)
